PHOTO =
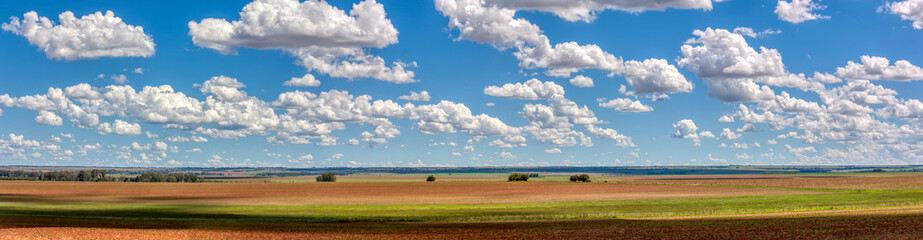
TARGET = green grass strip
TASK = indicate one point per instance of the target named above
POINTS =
(474, 212)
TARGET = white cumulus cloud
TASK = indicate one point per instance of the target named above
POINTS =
(911, 10)
(625, 105)
(798, 11)
(416, 96)
(324, 38)
(88, 37)
(307, 80)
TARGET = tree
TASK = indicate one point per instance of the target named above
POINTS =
(83, 176)
(327, 177)
(580, 178)
(515, 177)
(431, 178)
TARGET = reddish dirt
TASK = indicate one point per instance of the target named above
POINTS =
(874, 226)
(357, 192)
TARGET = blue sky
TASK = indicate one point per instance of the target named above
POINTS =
(477, 67)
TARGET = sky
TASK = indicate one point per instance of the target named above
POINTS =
(415, 83)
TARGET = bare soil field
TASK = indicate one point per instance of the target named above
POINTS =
(844, 182)
(402, 207)
(883, 225)
(368, 178)
(357, 192)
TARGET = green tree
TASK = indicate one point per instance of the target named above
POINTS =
(327, 177)
(580, 178)
(431, 178)
(515, 177)
(83, 176)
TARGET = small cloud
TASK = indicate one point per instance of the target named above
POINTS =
(120, 79)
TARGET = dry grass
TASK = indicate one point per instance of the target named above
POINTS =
(357, 193)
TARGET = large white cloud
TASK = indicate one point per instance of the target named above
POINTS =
(290, 24)
(229, 112)
(553, 123)
(733, 69)
(911, 10)
(324, 38)
(798, 11)
(586, 10)
(88, 37)
(496, 24)
(879, 68)
(718, 53)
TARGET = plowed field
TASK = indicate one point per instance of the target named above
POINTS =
(358, 192)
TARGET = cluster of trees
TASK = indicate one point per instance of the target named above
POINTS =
(431, 178)
(518, 177)
(174, 177)
(580, 178)
(327, 177)
(96, 175)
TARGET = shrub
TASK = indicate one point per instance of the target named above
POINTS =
(518, 177)
(533, 175)
(327, 177)
(580, 178)
(431, 178)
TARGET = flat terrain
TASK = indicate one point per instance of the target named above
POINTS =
(443, 192)
(878, 181)
(837, 206)
(829, 225)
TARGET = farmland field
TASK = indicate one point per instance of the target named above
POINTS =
(402, 206)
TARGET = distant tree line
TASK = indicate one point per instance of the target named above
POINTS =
(173, 177)
(96, 175)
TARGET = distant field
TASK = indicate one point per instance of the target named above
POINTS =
(467, 205)
(446, 192)
(882, 181)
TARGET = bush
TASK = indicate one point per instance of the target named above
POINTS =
(580, 178)
(533, 175)
(431, 178)
(327, 177)
(518, 177)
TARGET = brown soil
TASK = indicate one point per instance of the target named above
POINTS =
(357, 193)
